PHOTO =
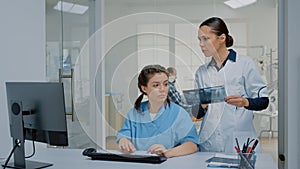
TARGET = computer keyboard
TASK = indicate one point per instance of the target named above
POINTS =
(107, 156)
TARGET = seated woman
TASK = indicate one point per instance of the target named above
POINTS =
(157, 126)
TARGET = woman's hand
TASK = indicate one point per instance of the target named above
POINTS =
(157, 149)
(204, 106)
(237, 100)
(126, 146)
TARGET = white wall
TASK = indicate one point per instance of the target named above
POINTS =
(22, 47)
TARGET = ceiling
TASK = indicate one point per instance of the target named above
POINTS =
(51, 3)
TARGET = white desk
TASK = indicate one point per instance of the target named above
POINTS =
(72, 158)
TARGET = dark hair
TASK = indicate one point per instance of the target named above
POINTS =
(143, 79)
(171, 70)
(219, 27)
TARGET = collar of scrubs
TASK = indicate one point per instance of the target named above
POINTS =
(231, 56)
(160, 111)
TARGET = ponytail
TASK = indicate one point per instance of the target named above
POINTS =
(138, 102)
(229, 41)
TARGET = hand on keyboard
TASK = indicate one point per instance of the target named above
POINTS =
(126, 146)
(157, 149)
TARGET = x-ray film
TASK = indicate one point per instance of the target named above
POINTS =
(205, 95)
(212, 94)
(192, 97)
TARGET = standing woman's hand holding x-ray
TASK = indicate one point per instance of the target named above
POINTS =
(237, 100)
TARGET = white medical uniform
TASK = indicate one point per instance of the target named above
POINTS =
(224, 122)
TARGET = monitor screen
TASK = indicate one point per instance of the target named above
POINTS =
(36, 112)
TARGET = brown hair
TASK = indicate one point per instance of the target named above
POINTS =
(219, 27)
(171, 70)
(143, 79)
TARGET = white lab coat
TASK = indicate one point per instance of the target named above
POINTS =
(224, 122)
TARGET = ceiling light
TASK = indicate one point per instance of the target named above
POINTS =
(79, 9)
(70, 7)
(239, 3)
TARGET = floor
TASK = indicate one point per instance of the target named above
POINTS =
(270, 145)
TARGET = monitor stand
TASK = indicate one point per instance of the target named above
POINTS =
(29, 165)
(18, 141)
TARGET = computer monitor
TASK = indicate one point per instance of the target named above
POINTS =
(36, 112)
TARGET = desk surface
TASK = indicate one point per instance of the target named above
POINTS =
(72, 158)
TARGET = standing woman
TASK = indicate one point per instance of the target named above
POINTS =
(158, 126)
(245, 88)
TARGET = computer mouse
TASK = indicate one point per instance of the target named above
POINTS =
(88, 151)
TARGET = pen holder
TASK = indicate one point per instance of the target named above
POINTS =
(247, 160)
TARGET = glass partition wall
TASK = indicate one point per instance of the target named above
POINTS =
(67, 29)
(98, 54)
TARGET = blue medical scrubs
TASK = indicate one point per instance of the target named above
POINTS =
(170, 127)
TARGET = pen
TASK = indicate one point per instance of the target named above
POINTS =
(254, 144)
(237, 149)
(251, 141)
(244, 148)
(237, 143)
(250, 149)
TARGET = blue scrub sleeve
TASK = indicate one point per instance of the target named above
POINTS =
(185, 129)
(192, 137)
(125, 131)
